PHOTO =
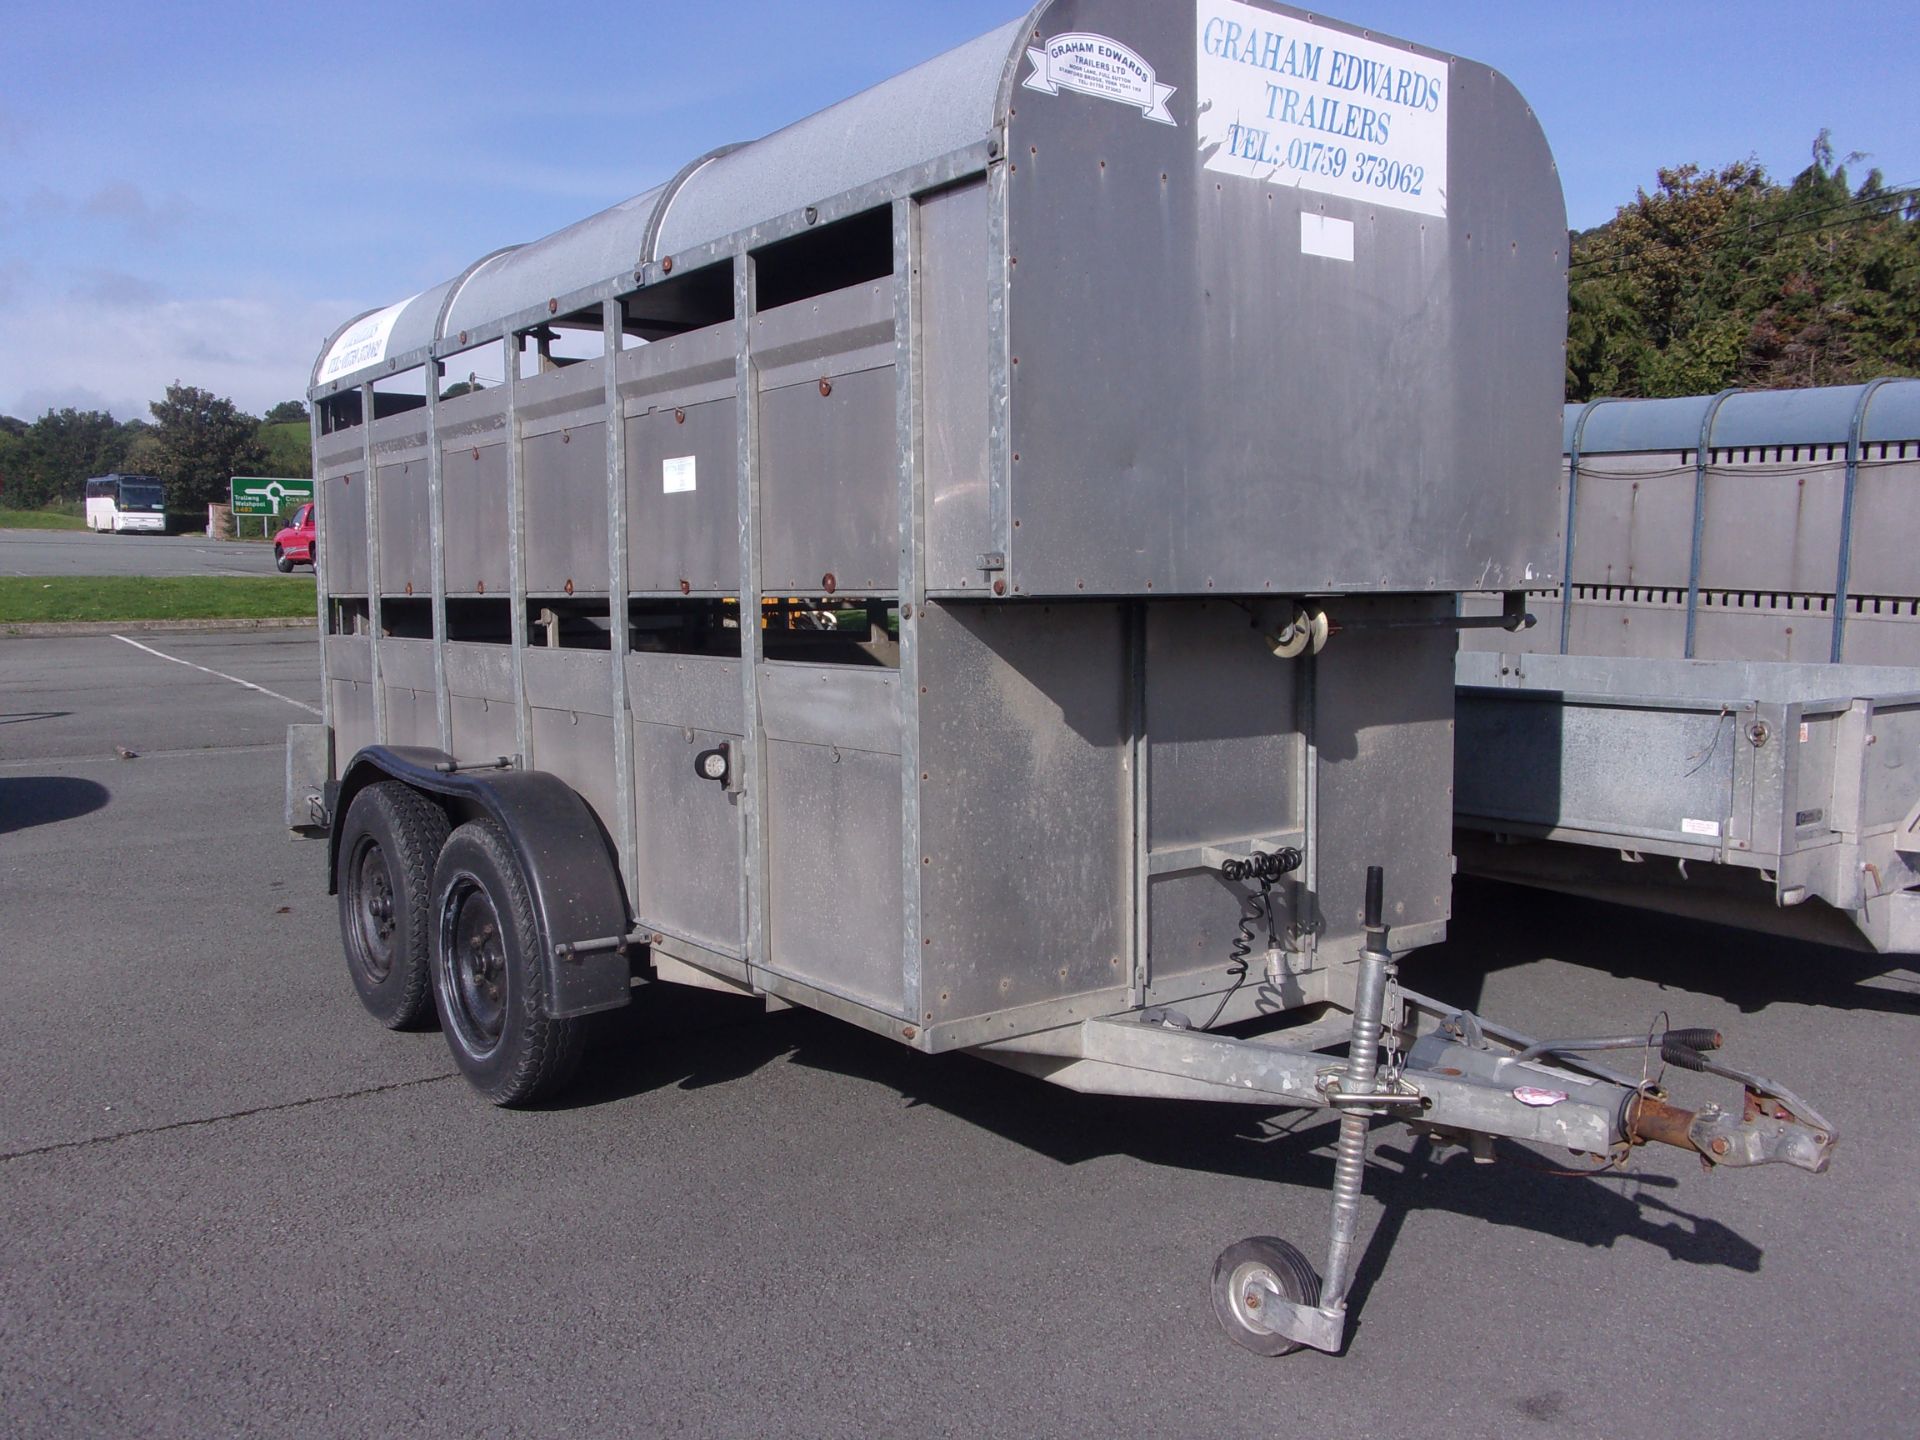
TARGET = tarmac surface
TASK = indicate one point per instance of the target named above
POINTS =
(82, 552)
(231, 1203)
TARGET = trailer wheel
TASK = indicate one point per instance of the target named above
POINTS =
(1237, 1296)
(488, 976)
(388, 843)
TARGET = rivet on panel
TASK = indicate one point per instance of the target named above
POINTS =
(479, 587)
(828, 583)
(999, 587)
(569, 587)
(409, 587)
(666, 266)
(826, 388)
(463, 337)
(679, 417)
(476, 452)
(566, 437)
(686, 587)
(553, 307)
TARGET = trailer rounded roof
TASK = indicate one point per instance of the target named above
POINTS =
(584, 253)
(918, 116)
(1748, 418)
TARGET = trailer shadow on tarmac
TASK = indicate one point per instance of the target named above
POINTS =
(673, 1037)
(1498, 927)
(30, 800)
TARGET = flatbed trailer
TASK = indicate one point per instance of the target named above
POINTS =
(982, 563)
(1716, 712)
(1727, 790)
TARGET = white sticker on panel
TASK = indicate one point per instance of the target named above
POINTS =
(1100, 66)
(678, 474)
(1324, 235)
(1700, 827)
(1285, 101)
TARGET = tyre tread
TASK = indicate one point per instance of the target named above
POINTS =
(418, 829)
(548, 1050)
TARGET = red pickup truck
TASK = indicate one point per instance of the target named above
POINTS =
(294, 544)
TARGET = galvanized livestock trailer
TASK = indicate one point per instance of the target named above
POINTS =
(1720, 715)
(981, 563)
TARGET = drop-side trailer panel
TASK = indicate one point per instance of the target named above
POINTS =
(1802, 780)
(1740, 566)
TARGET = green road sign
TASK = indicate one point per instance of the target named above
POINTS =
(255, 496)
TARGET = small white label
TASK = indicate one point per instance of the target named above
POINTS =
(678, 474)
(1100, 66)
(1286, 101)
(1700, 827)
(1324, 235)
(1804, 732)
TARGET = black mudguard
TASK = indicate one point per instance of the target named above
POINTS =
(572, 873)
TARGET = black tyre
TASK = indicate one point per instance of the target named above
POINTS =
(488, 976)
(280, 560)
(388, 844)
(1238, 1294)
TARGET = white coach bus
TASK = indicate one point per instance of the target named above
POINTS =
(126, 502)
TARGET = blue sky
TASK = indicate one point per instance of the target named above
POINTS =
(202, 191)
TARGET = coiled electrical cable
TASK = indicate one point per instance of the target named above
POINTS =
(1256, 908)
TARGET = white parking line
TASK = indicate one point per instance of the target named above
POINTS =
(222, 675)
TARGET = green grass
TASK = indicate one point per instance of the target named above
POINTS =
(32, 599)
(40, 520)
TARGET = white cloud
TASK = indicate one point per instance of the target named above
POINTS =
(120, 355)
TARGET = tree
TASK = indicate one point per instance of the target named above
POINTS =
(202, 442)
(289, 450)
(144, 456)
(1726, 277)
(13, 458)
(287, 412)
(52, 459)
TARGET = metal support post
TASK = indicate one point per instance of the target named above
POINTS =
(1843, 576)
(437, 555)
(908, 425)
(614, 324)
(753, 748)
(517, 553)
(373, 565)
(1702, 461)
(1363, 1065)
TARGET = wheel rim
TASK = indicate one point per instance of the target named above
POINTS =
(373, 911)
(475, 956)
(1249, 1295)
